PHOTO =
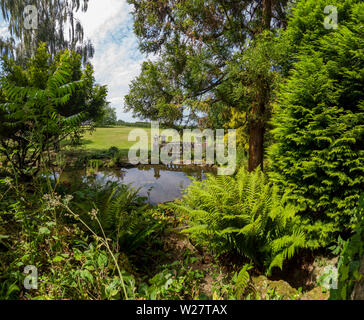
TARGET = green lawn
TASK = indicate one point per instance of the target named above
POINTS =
(104, 138)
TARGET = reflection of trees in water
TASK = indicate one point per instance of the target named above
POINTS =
(120, 174)
(181, 185)
(145, 167)
(73, 176)
(113, 175)
(199, 175)
(156, 169)
(167, 184)
(196, 172)
(157, 173)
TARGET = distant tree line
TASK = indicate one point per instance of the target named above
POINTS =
(110, 119)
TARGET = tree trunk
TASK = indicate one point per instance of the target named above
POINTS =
(256, 137)
(257, 125)
(267, 14)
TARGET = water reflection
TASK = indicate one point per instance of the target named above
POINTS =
(158, 183)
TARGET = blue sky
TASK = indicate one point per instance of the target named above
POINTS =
(117, 61)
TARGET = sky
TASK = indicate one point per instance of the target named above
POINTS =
(117, 61)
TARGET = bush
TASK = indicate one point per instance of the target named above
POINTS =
(243, 215)
(42, 105)
(318, 153)
(123, 215)
(84, 247)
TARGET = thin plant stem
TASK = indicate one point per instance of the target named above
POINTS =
(104, 241)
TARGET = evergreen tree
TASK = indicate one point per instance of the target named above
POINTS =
(195, 41)
(318, 157)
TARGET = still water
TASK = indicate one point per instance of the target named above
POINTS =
(158, 183)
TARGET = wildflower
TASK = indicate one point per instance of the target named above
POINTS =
(67, 199)
(52, 202)
(93, 214)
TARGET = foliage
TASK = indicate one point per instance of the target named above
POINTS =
(30, 121)
(351, 253)
(318, 154)
(241, 158)
(77, 260)
(175, 281)
(252, 76)
(208, 51)
(243, 215)
(109, 117)
(152, 97)
(218, 64)
(241, 286)
(56, 20)
(123, 215)
(91, 98)
(35, 110)
(138, 124)
(241, 282)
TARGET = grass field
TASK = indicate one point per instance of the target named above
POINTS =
(105, 138)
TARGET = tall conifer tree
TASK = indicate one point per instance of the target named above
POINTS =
(318, 157)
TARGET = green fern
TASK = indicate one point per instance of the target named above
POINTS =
(241, 282)
(243, 215)
(122, 213)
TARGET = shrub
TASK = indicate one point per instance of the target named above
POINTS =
(124, 216)
(243, 215)
(80, 253)
(42, 105)
(318, 154)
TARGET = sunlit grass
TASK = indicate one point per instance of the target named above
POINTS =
(105, 138)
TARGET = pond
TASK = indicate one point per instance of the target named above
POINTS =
(159, 183)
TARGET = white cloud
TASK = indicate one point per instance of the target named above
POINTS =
(4, 33)
(117, 60)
